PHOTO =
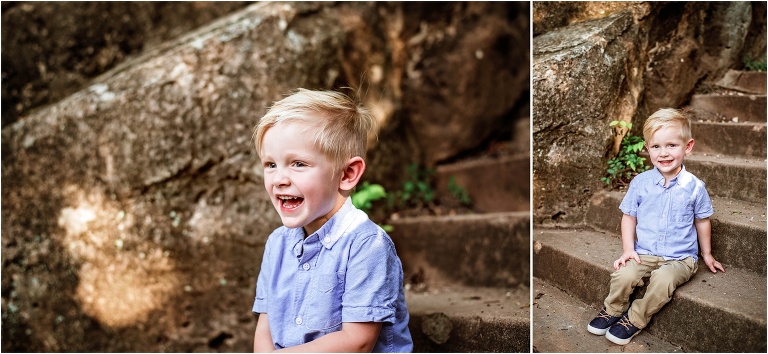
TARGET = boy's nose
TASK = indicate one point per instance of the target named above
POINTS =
(280, 178)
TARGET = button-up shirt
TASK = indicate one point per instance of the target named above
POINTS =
(347, 271)
(665, 215)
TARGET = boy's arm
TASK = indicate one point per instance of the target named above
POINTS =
(628, 225)
(354, 337)
(704, 230)
(262, 338)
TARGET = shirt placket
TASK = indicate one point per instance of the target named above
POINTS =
(301, 279)
(661, 243)
(306, 264)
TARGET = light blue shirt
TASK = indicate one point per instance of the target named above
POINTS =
(665, 214)
(347, 271)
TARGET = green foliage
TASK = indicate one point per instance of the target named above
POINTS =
(364, 196)
(460, 193)
(758, 64)
(417, 190)
(627, 163)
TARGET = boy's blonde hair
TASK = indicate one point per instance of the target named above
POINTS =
(339, 126)
(667, 117)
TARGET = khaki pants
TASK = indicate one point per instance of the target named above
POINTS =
(666, 276)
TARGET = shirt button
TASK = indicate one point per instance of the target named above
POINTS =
(327, 239)
(305, 266)
(299, 321)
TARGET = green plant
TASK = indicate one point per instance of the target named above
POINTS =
(758, 64)
(458, 192)
(364, 196)
(627, 163)
(417, 190)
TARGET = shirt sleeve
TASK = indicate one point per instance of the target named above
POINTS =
(374, 278)
(260, 303)
(631, 200)
(702, 205)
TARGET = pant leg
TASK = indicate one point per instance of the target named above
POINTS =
(624, 281)
(664, 280)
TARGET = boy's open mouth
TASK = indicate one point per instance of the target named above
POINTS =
(290, 203)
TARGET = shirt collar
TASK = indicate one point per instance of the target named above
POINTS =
(659, 178)
(335, 227)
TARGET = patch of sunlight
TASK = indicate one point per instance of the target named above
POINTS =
(123, 278)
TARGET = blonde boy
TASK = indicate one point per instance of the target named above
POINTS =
(330, 279)
(665, 223)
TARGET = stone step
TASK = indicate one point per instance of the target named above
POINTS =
(493, 184)
(740, 178)
(470, 319)
(738, 228)
(747, 108)
(473, 249)
(728, 138)
(721, 312)
(747, 81)
(560, 325)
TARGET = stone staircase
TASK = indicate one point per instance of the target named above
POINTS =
(723, 312)
(467, 275)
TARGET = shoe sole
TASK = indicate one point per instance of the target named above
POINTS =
(597, 331)
(618, 340)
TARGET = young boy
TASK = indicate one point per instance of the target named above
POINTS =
(330, 279)
(668, 209)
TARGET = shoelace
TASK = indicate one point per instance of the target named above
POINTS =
(604, 315)
(624, 321)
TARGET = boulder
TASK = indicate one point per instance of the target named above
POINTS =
(581, 81)
(465, 73)
(52, 49)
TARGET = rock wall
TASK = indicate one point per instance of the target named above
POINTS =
(618, 63)
(134, 214)
(52, 49)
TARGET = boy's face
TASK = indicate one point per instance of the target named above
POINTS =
(667, 150)
(299, 178)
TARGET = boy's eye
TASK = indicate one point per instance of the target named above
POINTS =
(269, 165)
(299, 164)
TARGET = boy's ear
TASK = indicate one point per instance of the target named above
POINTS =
(351, 174)
(689, 146)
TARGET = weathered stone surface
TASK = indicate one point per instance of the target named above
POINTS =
(624, 67)
(580, 81)
(471, 66)
(474, 250)
(52, 49)
(551, 15)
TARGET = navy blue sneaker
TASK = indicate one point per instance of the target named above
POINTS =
(622, 332)
(600, 324)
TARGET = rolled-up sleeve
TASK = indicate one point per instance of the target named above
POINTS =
(702, 205)
(373, 281)
(630, 202)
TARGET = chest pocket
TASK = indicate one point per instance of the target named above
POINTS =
(325, 301)
(326, 282)
(682, 207)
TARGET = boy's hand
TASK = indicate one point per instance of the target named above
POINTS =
(712, 264)
(625, 257)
